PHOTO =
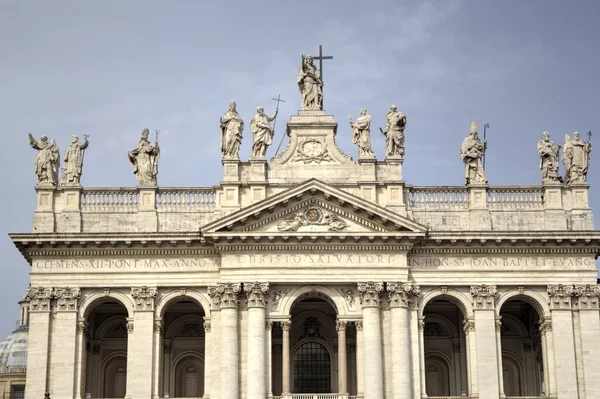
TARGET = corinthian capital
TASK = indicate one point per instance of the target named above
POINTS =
(402, 294)
(256, 294)
(560, 296)
(484, 296)
(587, 296)
(39, 298)
(369, 294)
(224, 295)
(143, 297)
(66, 298)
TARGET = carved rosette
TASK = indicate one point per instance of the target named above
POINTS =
(225, 295)
(587, 297)
(484, 296)
(402, 294)
(545, 325)
(256, 294)
(369, 294)
(143, 297)
(561, 296)
(39, 298)
(341, 325)
(468, 326)
(66, 298)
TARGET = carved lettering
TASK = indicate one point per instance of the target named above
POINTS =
(117, 265)
(499, 263)
(318, 260)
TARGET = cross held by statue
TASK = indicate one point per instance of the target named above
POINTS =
(322, 57)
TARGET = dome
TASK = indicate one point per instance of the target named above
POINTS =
(13, 351)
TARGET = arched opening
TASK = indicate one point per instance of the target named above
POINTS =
(445, 349)
(522, 359)
(106, 351)
(183, 350)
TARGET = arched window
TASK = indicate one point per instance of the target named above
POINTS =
(312, 368)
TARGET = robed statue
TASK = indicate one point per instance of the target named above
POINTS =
(361, 134)
(144, 158)
(232, 126)
(262, 132)
(74, 162)
(395, 123)
(576, 157)
(310, 84)
(471, 152)
(47, 160)
(548, 152)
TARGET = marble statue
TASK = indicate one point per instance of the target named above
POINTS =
(144, 158)
(361, 134)
(74, 160)
(548, 152)
(310, 84)
(576, 157)
(395, 122)
(471, 152)
(47, 160)
(232, 126)
(262, 132)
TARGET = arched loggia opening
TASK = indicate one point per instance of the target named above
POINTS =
(184, 348)
(445, 349)
(106, 351)
(522, 354)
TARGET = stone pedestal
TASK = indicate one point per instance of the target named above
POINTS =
(230, 197)
(43, 218)
(147, 209)
(70, 209)
(554, 213)
(257, 180)
(581, 214)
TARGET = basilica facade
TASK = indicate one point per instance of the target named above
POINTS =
(312, 276)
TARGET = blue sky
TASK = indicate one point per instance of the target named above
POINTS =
(112, 68)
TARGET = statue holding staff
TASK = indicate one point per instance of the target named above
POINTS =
(310, 84)
(232, 126)
(144, 158)
(576, 158)
(361, 134)
(47, 160)
(548, 152)
(262, 132)
(471, 152)
(74, 161)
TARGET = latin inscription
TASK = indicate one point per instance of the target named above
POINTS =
(125, 264)
(500, 262)
(317, 259)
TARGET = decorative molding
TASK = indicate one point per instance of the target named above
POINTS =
(144, 297)
(257, 294)
(499, 324)
(129, 325)
(82, 326)
(39, 298)
(341, 325)
(545, 325)
(224, 295)
(311, 151)
(66, 298)
(276, 297)
(484, 296)
(561, 296)
(285, 325)
(269, 325)
(207, 325)
(284, 246)
(369, 294)
(313, 216)
(158, 326)
(359, 325)
(468, 326)
(587, 297)
(348, 295)
(421, 324)
(401, 294)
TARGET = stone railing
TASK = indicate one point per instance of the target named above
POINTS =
(186, 199)
(510, 197)
(438, 198)
(110, 199)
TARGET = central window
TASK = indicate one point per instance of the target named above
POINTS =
(312, 369)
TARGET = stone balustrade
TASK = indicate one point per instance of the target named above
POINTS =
(515, 197)
(110, 199)
(444, 197)
(186, 199)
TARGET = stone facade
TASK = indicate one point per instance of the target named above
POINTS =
(390, 290)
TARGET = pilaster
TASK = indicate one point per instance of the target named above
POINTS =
(360, 362)
(587, 299)
(140, 343)
(473, 370)
(80, 359)
(43, 217)
(487, 356)
(39, 340)
(369, 294)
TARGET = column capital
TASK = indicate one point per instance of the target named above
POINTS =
(369, 293)
(401, 294)
(39, 298)
(468, 325)
(207, 325)
(285, 325)
(587, 297)
(484, 296)
(143, 297)
(129, 325)
(158, 325)
(545, 325)
(498, 323)
(341, 325)
(359, 325)
(268, 325)
(82, 326)
(66, 298)
(257, 294)
(561, 296)
(225, 295)
(421, 323)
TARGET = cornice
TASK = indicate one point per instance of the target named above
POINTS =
(313, 247)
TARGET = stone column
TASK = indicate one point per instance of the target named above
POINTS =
(140, 342)
(256, 294)
(39, 341)
(285, 358)
(588, 299)
(499, 356)
(369, 298)
(469, 329)
(400, 296)
(422, 370)
(269, 355)
(80, 369)
(208, 364)
(485, 339)
(342, 359)
(562, 330)
(158, 331)
(360, 368)
(64, 342)
(545, 327)
(225, 297)
(166, 385)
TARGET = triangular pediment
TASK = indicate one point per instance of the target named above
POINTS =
(314, 208)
